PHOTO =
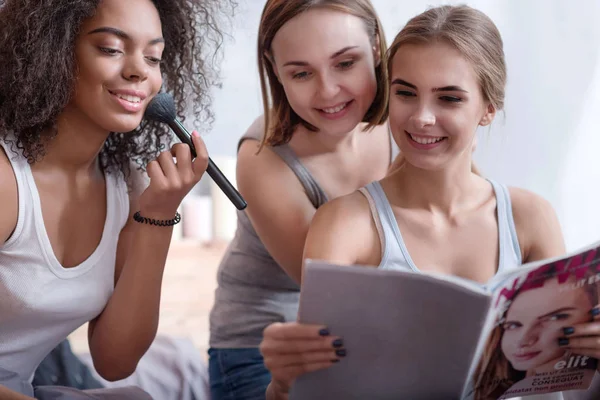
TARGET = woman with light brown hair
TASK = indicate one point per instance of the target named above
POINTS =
(323, 135)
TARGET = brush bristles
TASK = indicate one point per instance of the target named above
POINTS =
(161, 108)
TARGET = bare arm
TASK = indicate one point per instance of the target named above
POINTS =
(123, 332)
(121, 335)
(278, 207)
(537, 225)
(343, 232)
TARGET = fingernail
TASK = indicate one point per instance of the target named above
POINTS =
(341, 352)
(595, 312)
(336, 360)
(563, 341)
(337, 343)
(195, 133)
(324, 332)
(568, 330)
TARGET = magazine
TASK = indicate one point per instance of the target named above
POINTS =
(427, 336)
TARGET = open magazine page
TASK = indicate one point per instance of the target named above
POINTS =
(408, 335)
(522, 353)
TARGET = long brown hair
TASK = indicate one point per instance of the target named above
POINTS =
(280, 119)
(473, 34)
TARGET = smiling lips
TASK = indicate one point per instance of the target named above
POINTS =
(336, 109)
(425, 142)
(130, 100)
(426, 139)
(335, 112)
(526, 356)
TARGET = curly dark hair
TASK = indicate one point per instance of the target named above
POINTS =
(38, 68)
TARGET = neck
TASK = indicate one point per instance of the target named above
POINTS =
(447, 191)
(76, 146)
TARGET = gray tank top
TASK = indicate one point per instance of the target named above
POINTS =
(253, 290)
(395, 255)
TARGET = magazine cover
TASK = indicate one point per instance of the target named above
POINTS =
(527, 350)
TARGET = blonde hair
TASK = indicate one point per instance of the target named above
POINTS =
(280, 118)
(473, 34)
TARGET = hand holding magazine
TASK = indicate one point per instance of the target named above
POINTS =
(424, 336)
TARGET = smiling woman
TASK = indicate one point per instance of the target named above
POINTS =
(113, 42)
(39, 64)
(324, 87)
(76, 78)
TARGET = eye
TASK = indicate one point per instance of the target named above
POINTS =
(510, 326)
(558, 317)
(405, 93)
(300, 75)
(154, 60)
(346, 64)
(451, 99)
(109, 51)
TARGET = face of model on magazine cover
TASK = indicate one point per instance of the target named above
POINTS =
(535, 321)
(542, 319)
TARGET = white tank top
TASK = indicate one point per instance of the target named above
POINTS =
(41, 302)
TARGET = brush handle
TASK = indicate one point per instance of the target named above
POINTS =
(213, 171)
(219, 178)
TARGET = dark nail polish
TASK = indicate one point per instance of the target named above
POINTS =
(324, 332)
(341, 352)
(337, 343)
(563, 341)
(336, 360)
(595, 312)
(568, 330)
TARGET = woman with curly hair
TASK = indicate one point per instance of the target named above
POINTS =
(81, 240)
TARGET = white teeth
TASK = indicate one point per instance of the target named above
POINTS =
(335, 109)
(426, 140)
(131, 99)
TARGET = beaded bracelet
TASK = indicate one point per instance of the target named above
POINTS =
(168, 222)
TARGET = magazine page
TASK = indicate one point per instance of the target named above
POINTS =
(408, 335)
(525, 350)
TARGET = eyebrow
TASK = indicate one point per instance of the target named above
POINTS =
(334, 55)
(556, 312)
(121, 34)
(451, 88)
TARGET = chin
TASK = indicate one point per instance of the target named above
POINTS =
(123, 125)
(521, 367)
(425, 163)
(337, 128)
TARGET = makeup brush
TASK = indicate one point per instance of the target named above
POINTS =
(162, 109)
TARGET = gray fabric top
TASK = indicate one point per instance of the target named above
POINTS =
(253, 290)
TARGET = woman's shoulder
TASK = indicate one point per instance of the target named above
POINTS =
(537, 225)
(255, 131)
(343, 231)
(349, 213)
(528, 206)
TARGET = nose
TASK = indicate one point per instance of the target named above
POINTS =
(529, 337)
(135, 68)
(423, 116)
(329, 87)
